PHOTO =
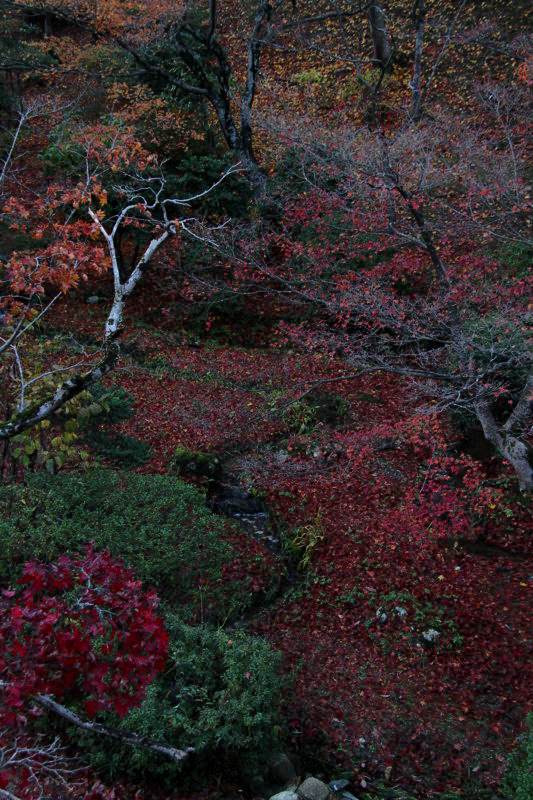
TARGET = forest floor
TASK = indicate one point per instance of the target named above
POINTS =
(406, 657)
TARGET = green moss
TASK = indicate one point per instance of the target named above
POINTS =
(518, 782)
(194, 463)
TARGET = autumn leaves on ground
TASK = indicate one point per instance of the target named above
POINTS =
(265, 400)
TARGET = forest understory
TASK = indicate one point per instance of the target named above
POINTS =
(265, 400)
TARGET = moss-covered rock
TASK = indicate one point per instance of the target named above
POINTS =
(329, 407)
(195, 464)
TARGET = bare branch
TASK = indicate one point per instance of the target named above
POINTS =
(130, 739)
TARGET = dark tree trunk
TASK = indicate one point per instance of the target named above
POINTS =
(419, 16)
(380, 36)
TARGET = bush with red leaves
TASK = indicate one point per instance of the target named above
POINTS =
(83, 630)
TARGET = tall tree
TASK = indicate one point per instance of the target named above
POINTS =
(182, 48)
(115, 166)
(380, 35)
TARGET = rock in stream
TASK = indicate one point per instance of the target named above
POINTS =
(248, 510)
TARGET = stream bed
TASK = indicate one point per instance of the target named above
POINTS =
(231, 500)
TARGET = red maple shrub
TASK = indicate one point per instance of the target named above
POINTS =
(83, 630)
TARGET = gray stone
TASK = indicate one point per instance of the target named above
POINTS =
(430, 635)
(313, 789)
(281, 770)
(340, 783)
(232, 500)
(93, 299)
(288, 794)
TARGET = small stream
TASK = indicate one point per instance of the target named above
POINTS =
(231, 500)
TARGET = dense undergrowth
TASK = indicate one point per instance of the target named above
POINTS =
(159, 526)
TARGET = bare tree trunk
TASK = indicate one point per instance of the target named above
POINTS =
(419, 15)
(214, 88)
(380, 36)
(6, 460)
(47, 26)
(255, 44)
(123, 289)
(240, 143)
(523, 410)
(426, 237)
(510, 447)
(68, 390)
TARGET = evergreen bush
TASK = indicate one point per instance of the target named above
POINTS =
(220, 695)
(518, 782)
(119, 449)
(157, 524)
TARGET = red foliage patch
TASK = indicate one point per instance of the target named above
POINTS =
(82, 630)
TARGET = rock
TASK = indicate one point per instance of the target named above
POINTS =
(93, 299)
(194, 463)
(232, 501)
(288, 794)
(338, 785)
(281, 770)
(313, 789)
(431, 635)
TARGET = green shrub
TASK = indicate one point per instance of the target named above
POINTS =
(159, 365)
(303, 415)
(106, 60)
(121, 450)
(195, 170)
(301, 543)
(157, 524)
(497, 339)
(300, 417)
(108, 406)
(516, 258)
(329, 408)
(518, 782)
(381, 791)
(220, 695)
(309, 76)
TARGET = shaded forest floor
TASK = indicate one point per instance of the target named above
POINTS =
(406, 654)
